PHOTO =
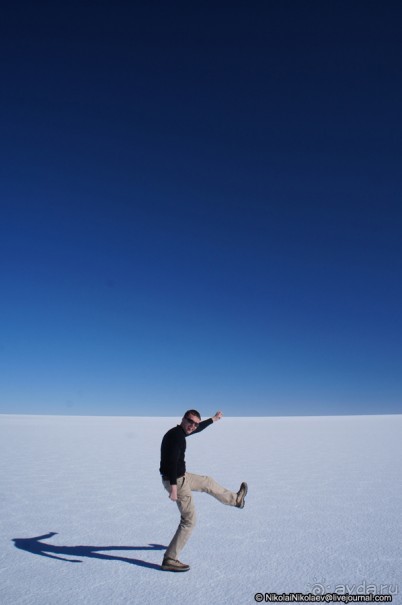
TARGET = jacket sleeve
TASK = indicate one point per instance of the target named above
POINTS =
(173, 453)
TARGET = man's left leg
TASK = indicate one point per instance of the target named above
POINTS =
(202, 483)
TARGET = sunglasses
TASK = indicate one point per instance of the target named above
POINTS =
(196, 424)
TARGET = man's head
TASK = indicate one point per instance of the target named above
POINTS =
(190, 421)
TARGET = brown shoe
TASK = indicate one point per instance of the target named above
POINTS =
(174, 565)
(241, 494)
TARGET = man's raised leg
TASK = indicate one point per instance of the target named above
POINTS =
(202, 483)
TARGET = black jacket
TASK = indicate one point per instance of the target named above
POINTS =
(173, 448)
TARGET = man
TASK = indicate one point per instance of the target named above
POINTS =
(179, 484)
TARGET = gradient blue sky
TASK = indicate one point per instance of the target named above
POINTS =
(201, 207)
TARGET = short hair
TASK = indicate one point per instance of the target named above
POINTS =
(193, 413)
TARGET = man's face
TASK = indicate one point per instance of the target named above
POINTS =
(190, 423)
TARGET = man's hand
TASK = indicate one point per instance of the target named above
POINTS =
(217, 416)
(173, 493)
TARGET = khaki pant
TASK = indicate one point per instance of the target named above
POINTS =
(185, 485)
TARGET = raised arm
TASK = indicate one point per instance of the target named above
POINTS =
(203, 425)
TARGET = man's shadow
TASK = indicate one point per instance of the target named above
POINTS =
(37, 547)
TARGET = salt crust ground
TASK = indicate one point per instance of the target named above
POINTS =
(324, 507)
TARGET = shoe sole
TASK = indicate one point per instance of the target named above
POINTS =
(244, 497)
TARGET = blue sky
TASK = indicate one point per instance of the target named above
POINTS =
(201, 207)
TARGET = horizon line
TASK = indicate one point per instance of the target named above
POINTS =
(205, 417)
